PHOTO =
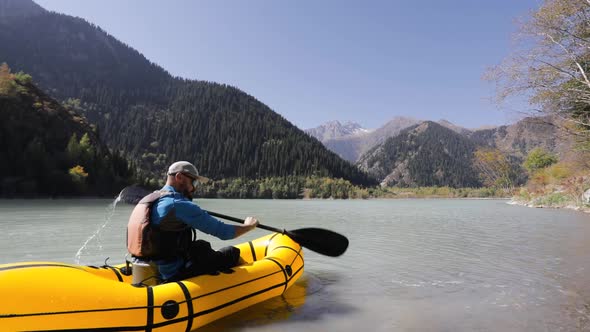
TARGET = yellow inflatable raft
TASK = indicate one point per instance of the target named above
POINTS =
(46, 296)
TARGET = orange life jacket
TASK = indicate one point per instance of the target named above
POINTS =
(165, 241)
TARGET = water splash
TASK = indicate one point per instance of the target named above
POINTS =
(96, 235)
(133, 194)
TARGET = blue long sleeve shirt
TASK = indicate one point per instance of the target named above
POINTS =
(192, 215)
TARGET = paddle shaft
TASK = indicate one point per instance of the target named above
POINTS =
(268, 228)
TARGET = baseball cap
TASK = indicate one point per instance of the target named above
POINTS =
(187, 168)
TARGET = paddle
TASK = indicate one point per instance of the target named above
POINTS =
(320, 240)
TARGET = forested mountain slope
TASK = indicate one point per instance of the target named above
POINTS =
(520, 138)
(152, 117)
(426, 154)
(352, 147)
(47, 149)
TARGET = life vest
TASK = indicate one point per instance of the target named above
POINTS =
(168, 240)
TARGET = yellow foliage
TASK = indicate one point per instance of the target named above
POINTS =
(494, 168)
(540, 177)
(554, 174)
(78, 174)
(7, 86)
(560, 171)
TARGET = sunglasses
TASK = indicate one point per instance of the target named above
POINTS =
(194, 180)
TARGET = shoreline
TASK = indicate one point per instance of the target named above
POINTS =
(274, 199)
(531, 204)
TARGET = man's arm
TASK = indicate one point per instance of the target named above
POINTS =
(193, 215)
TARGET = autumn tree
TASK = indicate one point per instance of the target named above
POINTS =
(494, 167)
(550, 63)
(23, 77)
(78, 175)
(538, 159)
(6, 80)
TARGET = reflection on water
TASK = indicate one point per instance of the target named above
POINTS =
(308, 300)
(412, 265)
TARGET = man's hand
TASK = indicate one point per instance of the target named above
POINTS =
(249, 224)
(252, 222)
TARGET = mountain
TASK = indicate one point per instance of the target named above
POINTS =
(20, 9)
(39, 146)
(71, 58)
(426, 154)
(351, 147)
(334, 129)
(515, 140)
(434, 154)
(520, 138)
(152, 117)
(351, 144)
(454, 127)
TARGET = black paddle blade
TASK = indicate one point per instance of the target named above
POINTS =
(320, 240)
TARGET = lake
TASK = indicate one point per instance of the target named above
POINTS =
(412, 265)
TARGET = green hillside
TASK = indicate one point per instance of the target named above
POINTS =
(427, 154)
(154, 118)
(47, 149)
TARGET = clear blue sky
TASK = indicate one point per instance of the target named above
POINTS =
(315, 61)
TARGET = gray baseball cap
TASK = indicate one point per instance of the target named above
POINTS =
(187, 168)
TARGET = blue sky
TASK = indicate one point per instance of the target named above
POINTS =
(316, 61)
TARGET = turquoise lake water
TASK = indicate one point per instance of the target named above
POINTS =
(412, 265)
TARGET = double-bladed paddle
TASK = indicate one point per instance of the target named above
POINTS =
(320, 240)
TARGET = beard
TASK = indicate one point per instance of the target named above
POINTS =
(188, 194)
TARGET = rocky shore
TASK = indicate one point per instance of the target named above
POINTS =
(554, 200)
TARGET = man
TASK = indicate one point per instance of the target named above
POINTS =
(167, 237)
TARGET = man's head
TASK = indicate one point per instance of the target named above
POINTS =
(184, 177)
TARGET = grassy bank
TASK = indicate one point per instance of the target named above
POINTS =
(439, 192)
(561, 185)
